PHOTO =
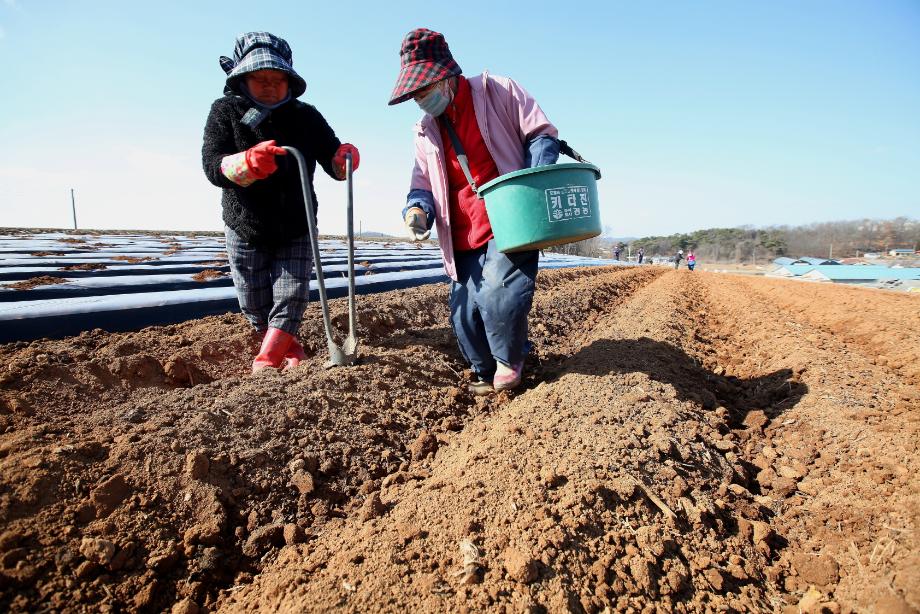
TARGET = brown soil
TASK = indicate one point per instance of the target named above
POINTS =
(882, 326)
(208, 274)
(43, 254)
(682, 442)
(33, 282)
(87, 266)
(133, 259)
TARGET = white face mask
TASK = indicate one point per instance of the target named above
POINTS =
(434, 102)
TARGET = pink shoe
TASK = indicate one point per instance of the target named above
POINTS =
(507, 378)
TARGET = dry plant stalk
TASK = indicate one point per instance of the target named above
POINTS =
(471, 561)
(655, 499)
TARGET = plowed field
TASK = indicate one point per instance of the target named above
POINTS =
(685, 442)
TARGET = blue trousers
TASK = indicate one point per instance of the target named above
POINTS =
(489, 305)
(272, 285)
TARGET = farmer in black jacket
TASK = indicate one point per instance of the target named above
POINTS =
(268, 241)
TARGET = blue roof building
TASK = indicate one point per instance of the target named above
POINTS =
(817, 261)
(860, 274)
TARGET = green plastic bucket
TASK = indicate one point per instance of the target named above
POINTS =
(548, 205)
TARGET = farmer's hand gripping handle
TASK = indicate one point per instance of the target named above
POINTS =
(345, 152)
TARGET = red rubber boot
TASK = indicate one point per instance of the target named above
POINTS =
(294, 355)
(274, 348)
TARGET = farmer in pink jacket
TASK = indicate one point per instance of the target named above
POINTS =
(496, 127)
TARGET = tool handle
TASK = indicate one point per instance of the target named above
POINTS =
(352, 312)
(314, 239)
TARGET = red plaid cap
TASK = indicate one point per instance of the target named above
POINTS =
(425, 59)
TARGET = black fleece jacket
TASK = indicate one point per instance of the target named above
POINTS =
(269, 212)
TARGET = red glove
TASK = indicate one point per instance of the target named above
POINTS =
(261, 158)
(338, 160)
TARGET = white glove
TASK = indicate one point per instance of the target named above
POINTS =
(417, 224)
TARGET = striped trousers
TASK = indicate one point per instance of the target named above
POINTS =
(272, 284)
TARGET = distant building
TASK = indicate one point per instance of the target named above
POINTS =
(901, 252)
(804, 260)
(816, 261)
(861, 274)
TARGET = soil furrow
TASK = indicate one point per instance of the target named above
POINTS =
(838, 469)
(143, 468)
(884, 326)
(617, 484)
(683, 442)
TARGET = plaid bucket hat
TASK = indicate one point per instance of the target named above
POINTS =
(425, 59)
(260, 51)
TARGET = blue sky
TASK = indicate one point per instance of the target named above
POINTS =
(699, 114)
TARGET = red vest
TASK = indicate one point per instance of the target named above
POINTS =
(469, 223)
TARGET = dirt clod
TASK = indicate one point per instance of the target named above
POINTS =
(146, 596)
(424, 445)
(185, 606)
(521, 567)
(197, 465)
(262, 539)
(294, 534)
(810, 603)
(109, 495)
(164, 559)
(97, 550)
(303, 482)
(821, 570)
(373, 507)
(715, 577)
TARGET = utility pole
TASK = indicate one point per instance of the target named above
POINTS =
(830, 252)
(73, 207)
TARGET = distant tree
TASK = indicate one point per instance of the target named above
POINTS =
(744, 244)
(773, 242)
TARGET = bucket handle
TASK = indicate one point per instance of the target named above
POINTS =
(567, 150)
(564, 148)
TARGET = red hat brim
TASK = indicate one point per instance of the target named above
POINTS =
(420, 74)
